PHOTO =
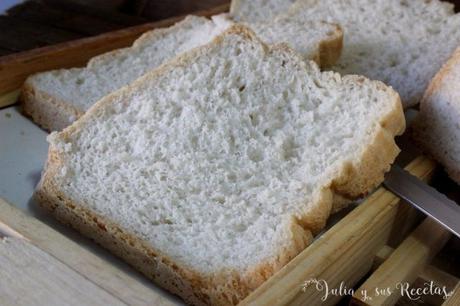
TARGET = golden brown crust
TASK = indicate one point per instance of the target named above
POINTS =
(368, 171)
(223, 287)
(331, 48)
(357, 179)
(49, 112)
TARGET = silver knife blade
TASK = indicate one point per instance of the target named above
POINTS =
(425, 198)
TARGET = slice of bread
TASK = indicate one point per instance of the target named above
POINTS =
(258, 10)
(400, 42)
(55, 99)
(437, 126)
(212, 172)
(315, 40)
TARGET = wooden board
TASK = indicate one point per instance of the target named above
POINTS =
(28, 275)
(403, 265)
(15, 68)
(58, 251)
(454, 300)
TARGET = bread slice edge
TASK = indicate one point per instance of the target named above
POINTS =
(48, 111)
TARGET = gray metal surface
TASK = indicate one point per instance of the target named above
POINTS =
(424, 197)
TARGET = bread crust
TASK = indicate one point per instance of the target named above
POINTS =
(331, 48)
(222, 287)
(49, 112)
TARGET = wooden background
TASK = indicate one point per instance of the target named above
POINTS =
(38, 23)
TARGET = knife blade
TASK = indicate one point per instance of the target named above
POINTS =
(424, 197)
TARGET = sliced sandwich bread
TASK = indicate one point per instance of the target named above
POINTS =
(210, 173)
(400, 42)
(437, 127)
(258, 10)
(55, 99)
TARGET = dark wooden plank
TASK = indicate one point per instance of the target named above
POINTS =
(97, 12)
(88, 25)
(107, 275)
(37, 12)
(20, 35)
(15, 68)
(5, 52)
(156, 10)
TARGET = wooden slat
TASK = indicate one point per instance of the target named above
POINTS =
(20, 35)
(100, 272)
(157, 10)
(407, 218)
(439, 278)
(344, 253)
(15, 68)
(107, 13)
(4, 51)
(454, 300)
(87, 25)
(29, 276)
(37, 12)
(403, 265)
(9, 98)
(430, 272)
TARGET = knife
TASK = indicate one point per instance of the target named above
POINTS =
(427, 199)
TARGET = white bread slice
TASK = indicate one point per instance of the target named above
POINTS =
(212, 172)
(55, 99)
(400, 42)
(437, 126)
(258, 10)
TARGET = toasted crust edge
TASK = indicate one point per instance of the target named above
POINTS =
(331, 48)
(224, 287)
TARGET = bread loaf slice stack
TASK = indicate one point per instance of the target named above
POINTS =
(55, 99)
(400, 42)
(210, 173)
(437, 127)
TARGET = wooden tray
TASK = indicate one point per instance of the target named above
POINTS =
(375, 246)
